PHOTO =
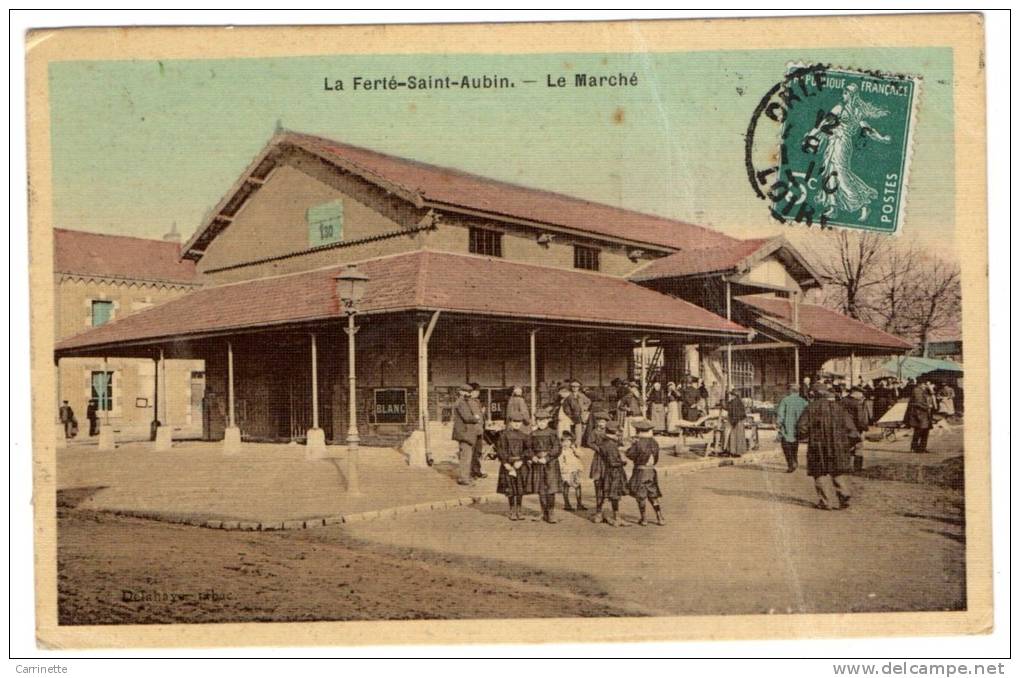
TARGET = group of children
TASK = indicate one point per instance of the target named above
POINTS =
(545, 463)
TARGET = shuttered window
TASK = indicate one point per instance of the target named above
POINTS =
(101, 312)
(483, 241)
(586, 258)
(102, 390)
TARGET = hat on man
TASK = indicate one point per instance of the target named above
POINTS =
(856, 389)
(604, 416)
(612, 427)
(643, 425)
(819, 388)
(567, 435)
(474, 386)
(466, 388)
(543, 413)
(575, 381)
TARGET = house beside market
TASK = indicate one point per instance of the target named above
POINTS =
(99, 279)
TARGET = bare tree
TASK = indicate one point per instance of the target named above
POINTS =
(936, 304)
(852, 264)
(898, 287)
(891, 304)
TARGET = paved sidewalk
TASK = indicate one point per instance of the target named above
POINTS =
(272, 486)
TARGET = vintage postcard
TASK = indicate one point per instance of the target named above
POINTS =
(650, 330)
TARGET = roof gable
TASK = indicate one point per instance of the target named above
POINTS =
(445, 188)
(738, 256)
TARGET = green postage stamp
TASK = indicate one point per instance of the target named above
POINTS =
(845, 149)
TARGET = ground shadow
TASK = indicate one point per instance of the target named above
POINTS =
(949, 520)
(764, 496)
(958, 538)
(71, 497)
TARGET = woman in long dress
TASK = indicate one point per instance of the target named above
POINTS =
(841, 189)
(736, 442)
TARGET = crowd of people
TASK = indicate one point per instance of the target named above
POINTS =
(539, 454)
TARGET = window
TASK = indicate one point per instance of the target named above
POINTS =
(743, 377)
(101, 312)
(325, 223)
(482, 241)
(586, 258)
(102, 390)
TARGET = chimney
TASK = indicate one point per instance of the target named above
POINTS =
(174, 235)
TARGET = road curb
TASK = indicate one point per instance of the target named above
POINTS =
(424, 507)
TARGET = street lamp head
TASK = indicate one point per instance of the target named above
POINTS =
(350, 287)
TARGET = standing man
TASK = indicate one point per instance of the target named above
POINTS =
(479, 411)
(67, 419)
(787, 415)
(855, 405)
(919, 416)
(631, 410)
(467, 430)
(575, 405)
(830, 433)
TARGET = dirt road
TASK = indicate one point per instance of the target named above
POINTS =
(738, 540)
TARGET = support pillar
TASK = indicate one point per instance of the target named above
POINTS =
(231, 434)
(106, 440)
(729, 344)
(796, 365)
(644, 374)
(315, 438)
(853, 359)
(164, 432)
(533, 374)
(417, 447)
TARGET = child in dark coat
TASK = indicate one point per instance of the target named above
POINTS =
(614, 477)
(544, 478)
(513, 448)
(644, 480)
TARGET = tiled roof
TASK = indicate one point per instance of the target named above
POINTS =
(823, 324)
(118, 256)
(700, 261)
(444, 186)
(418, 280)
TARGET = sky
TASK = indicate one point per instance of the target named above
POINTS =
(139, 145)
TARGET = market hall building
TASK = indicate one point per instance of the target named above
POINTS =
(468, 280)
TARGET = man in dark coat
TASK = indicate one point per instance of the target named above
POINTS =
(830, 432)
(467, 429)
(92, 414)
(479, 411)
(855, 405)
(919, 415)
(67, 419)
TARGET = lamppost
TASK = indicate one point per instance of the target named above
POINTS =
(350, 288)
